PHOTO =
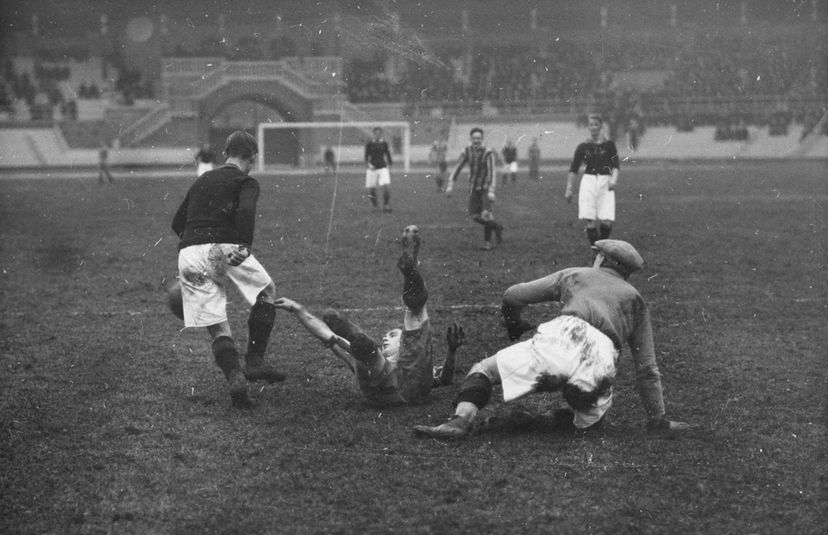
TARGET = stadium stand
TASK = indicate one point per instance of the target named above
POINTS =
(723, 80)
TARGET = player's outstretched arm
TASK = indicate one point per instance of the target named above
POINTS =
(340, 346)
(455, 337)
(314, 325)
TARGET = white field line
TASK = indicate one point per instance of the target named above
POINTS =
(462, 306)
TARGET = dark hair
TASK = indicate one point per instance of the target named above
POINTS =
(595, 116)
(241, 144)
(476, 129)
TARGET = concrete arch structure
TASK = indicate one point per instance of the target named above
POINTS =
(291, 105)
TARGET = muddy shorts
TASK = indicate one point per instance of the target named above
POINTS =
(565, 350)
(204, 274)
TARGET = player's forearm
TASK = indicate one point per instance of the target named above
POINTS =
(570, 180)
(314, 325)
(648, 381)
(647, 376)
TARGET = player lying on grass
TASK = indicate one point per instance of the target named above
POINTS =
(575, 353)
(400, 370)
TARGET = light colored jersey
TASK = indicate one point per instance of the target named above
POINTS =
(602, 298)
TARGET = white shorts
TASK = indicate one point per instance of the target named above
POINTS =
(595, 200)
(204, 273)
(377, 177)
(510, 167)
(566, 347)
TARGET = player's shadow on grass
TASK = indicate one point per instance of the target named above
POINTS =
(521, 421)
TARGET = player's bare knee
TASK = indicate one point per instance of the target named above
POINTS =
(268, 294)
(487, 368)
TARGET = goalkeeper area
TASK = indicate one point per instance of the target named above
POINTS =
(302, 145)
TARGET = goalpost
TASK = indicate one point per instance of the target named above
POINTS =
(302, 144)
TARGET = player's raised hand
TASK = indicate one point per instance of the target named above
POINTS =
(455, 336)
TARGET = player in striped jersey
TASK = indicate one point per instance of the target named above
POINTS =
(482, 184)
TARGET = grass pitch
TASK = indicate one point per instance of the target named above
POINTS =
(114, 420)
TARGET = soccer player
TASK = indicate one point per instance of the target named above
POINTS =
(437, 156)
(215, 223)
(596, 194)
(534, 160)
(329, 160)
(399, 370)
(103, 164)
(205, 160)
(510, 165)
(378, 159)
(482, 184)
(575, 353)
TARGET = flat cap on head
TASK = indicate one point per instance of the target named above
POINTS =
(621, 252)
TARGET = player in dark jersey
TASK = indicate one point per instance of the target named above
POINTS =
(482, 184)
(534, 160)
(103, 164)
(215, 223)
(399, 370)
(437, 156)
(378, 159)
(596, 194)
(510, 165)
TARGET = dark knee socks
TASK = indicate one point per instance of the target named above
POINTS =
(604, 231)
(592, 235)
(372, 195)
(414, 292)
(476, 388)
(260, 324)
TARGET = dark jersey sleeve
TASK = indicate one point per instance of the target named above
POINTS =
(246, 211)
(179, 221)
(613, 155)
(577, 159)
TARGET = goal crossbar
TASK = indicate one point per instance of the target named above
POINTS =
(402, 125)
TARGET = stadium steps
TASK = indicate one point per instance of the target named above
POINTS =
(31, 147)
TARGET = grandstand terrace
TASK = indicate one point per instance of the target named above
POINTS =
(139, 75)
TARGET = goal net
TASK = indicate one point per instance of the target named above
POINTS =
(303, 145)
